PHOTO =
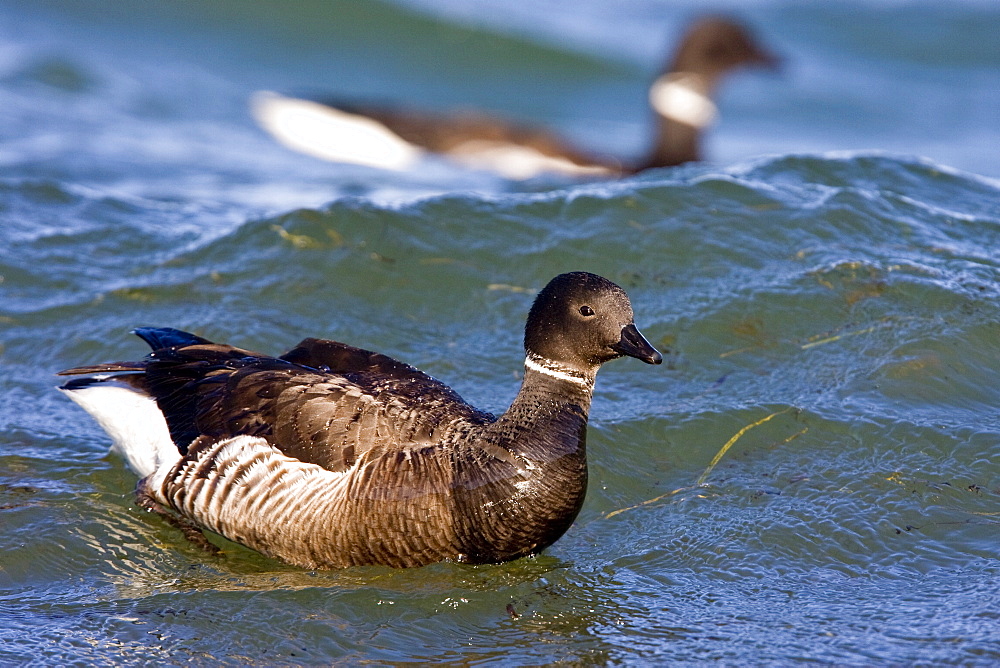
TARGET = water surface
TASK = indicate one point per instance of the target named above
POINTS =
(831, 277)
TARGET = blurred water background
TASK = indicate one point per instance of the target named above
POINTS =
(834, 267)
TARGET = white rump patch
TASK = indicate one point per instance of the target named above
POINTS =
(682, 97)
(133, 421)
(329, 134)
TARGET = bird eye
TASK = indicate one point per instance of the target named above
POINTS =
(586, 311)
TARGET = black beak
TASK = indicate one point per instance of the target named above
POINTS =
(634, 345)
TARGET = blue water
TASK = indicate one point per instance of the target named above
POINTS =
(825, 289)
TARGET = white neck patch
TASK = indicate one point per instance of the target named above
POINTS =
(680, 96)
(556, 370)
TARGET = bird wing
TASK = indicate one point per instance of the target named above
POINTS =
(324, 403)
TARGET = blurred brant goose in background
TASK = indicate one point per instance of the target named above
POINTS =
(395, 138)
(332, 456)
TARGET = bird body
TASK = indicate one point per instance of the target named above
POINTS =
(331, 456)
(391, 137)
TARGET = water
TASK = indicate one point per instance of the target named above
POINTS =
(834, 268)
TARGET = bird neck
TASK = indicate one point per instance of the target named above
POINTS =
(543, 373)
(684, 107)
(534, 457)
(548, 418)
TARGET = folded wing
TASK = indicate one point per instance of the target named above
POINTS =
(322, 403)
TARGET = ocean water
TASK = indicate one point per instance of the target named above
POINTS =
(812, 475)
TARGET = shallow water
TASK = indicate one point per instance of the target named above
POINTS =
(842, 305)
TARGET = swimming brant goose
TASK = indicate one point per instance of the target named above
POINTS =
(332, 456)
(391, 138)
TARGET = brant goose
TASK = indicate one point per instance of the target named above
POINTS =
(380, 136)
(332, 456)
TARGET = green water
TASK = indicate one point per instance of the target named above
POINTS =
(831, 317)
(853, 298)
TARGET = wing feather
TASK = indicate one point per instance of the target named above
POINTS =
(323, 403)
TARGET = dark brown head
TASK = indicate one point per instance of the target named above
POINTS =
(715, 45)
(581, 320)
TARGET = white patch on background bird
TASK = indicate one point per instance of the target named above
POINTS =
(515, 161)
(682, 97)
(330, 134)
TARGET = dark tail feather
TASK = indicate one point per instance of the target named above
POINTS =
(112, 367)
(157, 338)
(136, 380)
(167, 337)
